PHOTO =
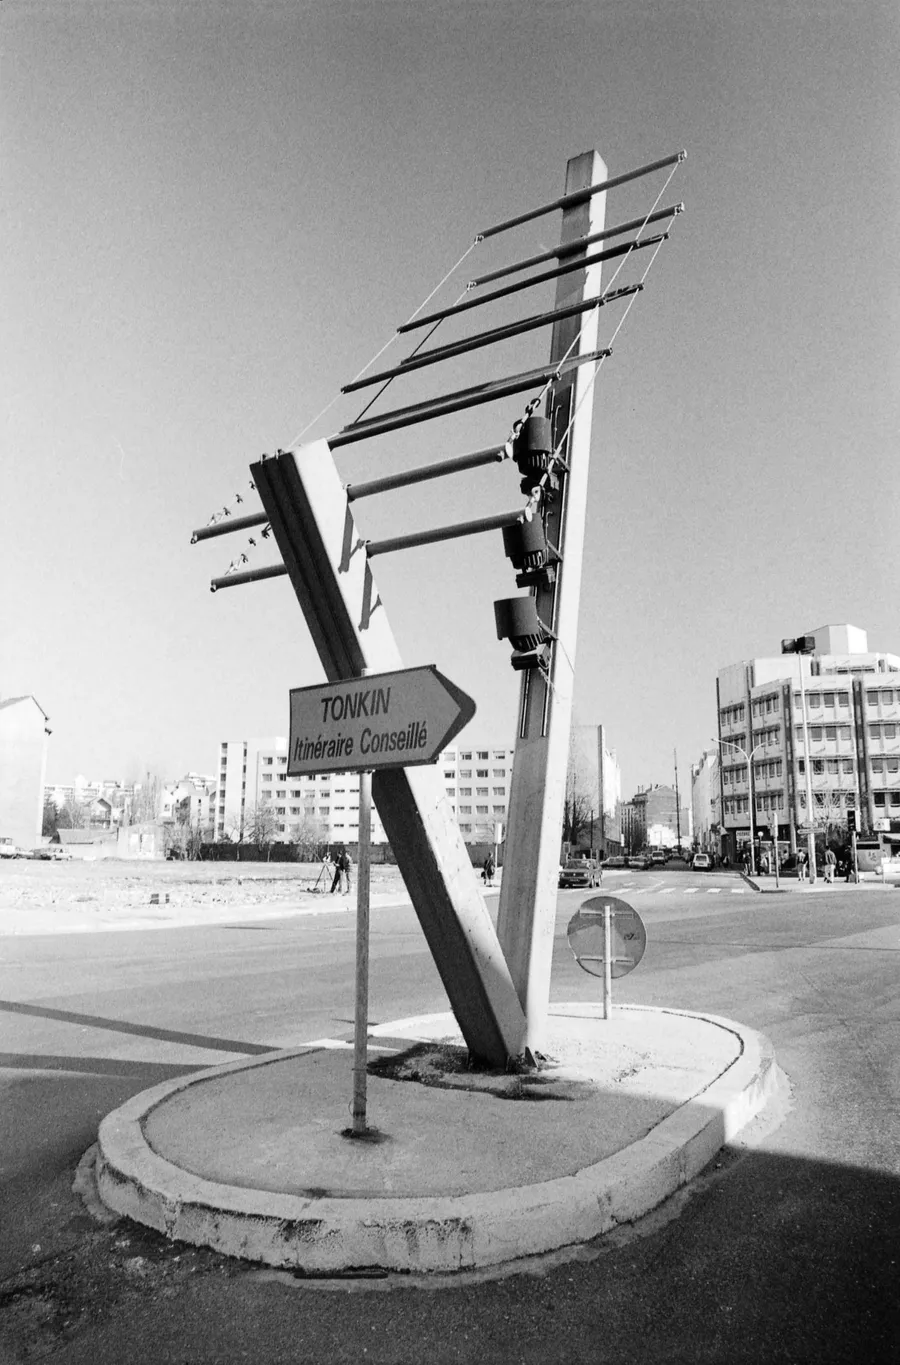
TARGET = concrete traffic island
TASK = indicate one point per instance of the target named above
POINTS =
(460, 1169)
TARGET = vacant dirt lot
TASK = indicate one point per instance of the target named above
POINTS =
(107, 893)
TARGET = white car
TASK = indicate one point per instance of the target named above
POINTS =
(8, 849)
(701, 862)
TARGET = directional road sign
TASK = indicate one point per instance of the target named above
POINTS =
(382, 720)
(585, 934)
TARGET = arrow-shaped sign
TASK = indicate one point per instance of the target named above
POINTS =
(383, 720)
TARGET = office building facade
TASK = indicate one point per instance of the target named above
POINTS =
(824, 723)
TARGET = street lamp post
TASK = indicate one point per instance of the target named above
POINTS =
(749, 760)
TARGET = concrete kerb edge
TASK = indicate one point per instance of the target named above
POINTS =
(427, 1234)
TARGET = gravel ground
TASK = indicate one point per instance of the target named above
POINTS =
(78, 895)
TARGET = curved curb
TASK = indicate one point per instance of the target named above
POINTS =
(428, 1234)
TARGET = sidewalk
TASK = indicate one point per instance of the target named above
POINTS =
(460, 1168)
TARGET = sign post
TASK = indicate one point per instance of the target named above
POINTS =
(624, 939)
(361, 1027)
(374, 721)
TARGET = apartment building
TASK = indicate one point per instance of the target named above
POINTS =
(477, 781)
(830, 715)
(252, 773)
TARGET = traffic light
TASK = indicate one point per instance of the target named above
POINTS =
(532, 451)
(517, 621)
(525, 543)
(851, 821)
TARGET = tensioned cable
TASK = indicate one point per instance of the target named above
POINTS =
(378, 354)
(535, 402)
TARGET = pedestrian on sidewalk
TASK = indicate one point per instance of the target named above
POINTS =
(830, 861)
(801, 866)
(346, 868)
(487, 874)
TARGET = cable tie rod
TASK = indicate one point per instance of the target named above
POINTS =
(490, 337)
(582, 196)
(224, 528)
(234, 580)
(569, 248)
(462, 398)
(424, 472)
(636, 244)
(462, 528)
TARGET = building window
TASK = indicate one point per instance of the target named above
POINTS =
(814, 699)
(466, 758)
(281, 794)
(877, 765)
(482, 754)
(499, 772)
(449, 775)
(831, 732)
(465, 791)
(499, 791)
(267, 762)
(465, 772)
(481, 810)
(815, 733)
(889, 731)
(848, 765)
(481, 772)
(267, 777)
(844, 731)
(872, 698)
(499, 810)
(829, 699)
(296, 794)
(481, 791)
(843, 698)
(465, 810)
(879, 798)
(280, 810)
(875, 732)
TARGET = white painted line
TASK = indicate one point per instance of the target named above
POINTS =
(666, 890)
(713, 890)
(691, 890)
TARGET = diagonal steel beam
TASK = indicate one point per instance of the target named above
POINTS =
(330, 572)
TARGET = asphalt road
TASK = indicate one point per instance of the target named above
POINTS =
(785, 1250)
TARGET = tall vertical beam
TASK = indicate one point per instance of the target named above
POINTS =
(527, 912)
(329, 569)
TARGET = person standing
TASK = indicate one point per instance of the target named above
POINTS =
(830, 861)
(338, 872)
(801, 866)
(346, 867)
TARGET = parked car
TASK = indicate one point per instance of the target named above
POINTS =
(701, 862)
(638, 860)
(616, 860)
(659, 856)
(8, 849)
(580, 872)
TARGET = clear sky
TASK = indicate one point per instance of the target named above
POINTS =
(214, 214)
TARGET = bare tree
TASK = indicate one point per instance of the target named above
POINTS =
(146, 800)
(581, 805)
(309, 838)
(261, 825)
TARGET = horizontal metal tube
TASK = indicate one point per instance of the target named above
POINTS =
(489, 338)
(424, 472)
(569, 248)
(455, 402)
(227, 525)
(234, 580)
(462, 528)
(581, 196)
(637, 244)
